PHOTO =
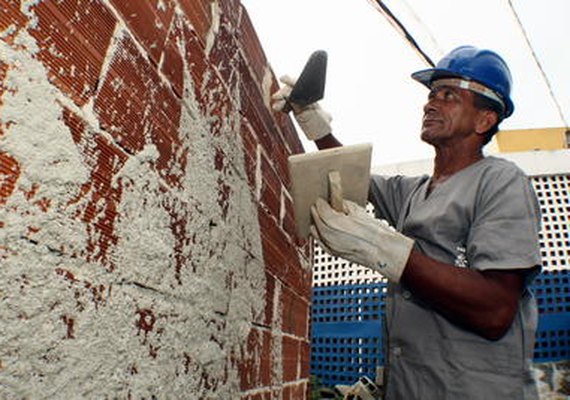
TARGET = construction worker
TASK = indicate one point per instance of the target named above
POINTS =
(460, 321)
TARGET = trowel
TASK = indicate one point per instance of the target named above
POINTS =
(310, 86)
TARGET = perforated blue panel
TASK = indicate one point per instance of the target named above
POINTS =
(347, 327)
(552, 292)
(347, 332)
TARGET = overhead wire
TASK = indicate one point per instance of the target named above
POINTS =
(403, 31)
(538, 63)
(396, 23)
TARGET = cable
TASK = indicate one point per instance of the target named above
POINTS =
(395, 22)
(538, 63)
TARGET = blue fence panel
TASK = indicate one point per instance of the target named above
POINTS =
(347, 332)
(552, 292)
(347, 327)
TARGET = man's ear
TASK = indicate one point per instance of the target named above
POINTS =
(486, 120)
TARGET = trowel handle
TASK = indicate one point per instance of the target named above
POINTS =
(335, 192)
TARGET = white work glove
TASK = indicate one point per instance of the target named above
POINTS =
(313, 120)
(359, 237)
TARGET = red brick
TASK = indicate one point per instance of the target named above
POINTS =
(305, 359)
(270, 288)
(172, 62)
(276, 128)
(294, 313)
(266, 362)
(137, 107)
(230, 10)
(224, 54)
(149, 20)
(193, 53)
(11, 16)
(255, 365)
(280, 161)
(250, 144)
(295, 391)
(291, 359)
(73, 37)
(281, 257)
(163, 121)
(216, 103)
(210, 91)
(290, 134)
(286, 127)
(134, 102)
(280, 158)
(122, 101)
(270, 188)
(288, 221)
(199, 14)
(104, 160)
(250, 45)
(253, 108)
(9, 174)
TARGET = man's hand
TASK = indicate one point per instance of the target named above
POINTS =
(361, 238)
(313, 120)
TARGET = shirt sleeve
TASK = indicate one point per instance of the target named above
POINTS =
(504, 233)
(389, 193)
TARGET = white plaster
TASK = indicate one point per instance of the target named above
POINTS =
(11, 29)
(214, 26)
(277, 345)
(258, 174)
(26, 9)
(38, 139)
(228, 281)
(266, 86)
(145, 250)
(34, 299)
(282, 211)
(202, 318)
(118, 36)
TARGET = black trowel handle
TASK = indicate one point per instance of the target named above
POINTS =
(310, 86)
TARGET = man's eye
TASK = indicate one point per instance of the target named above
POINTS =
(448, 95)
(442, 94)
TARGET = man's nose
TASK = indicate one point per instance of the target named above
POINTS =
(430, 106)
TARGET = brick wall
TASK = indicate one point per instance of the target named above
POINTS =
(146, 233)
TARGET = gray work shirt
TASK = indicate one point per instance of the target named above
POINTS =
(485, 216)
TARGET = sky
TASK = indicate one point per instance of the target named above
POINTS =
(369, 92)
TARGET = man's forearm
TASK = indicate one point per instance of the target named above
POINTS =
(484, 302)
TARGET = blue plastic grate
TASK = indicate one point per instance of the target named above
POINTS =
(348, 303)
(552, 292)
(347, 327)
(342, 360)
(346, 332)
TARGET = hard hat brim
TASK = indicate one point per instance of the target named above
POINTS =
(427, 76)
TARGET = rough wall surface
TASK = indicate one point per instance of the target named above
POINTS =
(146, 231)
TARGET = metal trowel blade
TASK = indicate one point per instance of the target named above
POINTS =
(310, 86)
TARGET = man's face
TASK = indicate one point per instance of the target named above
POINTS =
(449, 115)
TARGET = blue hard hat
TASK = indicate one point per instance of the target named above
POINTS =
(472, 64)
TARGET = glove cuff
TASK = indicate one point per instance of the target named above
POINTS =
(392, 263)
(314, 122)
